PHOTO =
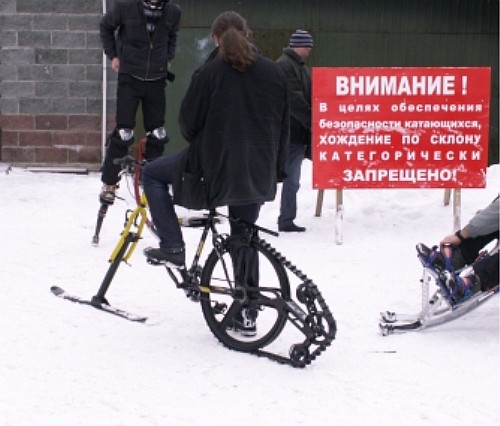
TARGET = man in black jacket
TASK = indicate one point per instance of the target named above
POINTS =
(140, 38)
(298, 77)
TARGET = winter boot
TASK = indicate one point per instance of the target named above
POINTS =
(462, 288)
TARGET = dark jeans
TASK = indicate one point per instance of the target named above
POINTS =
(487, 268)
(246, 212)
(156, 178)
(245, 258)
(471, 247)
(291, 184)
(487, 271)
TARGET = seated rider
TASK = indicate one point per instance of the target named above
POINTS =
(463, 248)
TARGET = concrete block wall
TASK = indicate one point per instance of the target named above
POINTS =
(51, 82)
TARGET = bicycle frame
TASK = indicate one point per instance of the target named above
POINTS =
(189, 281)
(133, 228)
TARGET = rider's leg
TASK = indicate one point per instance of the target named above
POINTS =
(246, 266)
(487, 271)
(482, 276)
(247, 212)
(245, 258)
(156, 178)
(472, 246)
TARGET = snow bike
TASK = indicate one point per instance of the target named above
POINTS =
(240, 274)
(437, 309)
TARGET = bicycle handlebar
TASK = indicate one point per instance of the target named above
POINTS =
(125, 161)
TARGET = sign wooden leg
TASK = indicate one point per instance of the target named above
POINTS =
(447, 194)
(457, 209)
(319, 202)
(339, 217)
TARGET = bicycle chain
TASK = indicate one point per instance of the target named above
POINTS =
(307, 294)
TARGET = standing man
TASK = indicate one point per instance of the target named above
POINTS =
(139, 37)
(293, 63)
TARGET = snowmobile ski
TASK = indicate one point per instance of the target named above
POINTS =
(102, 305)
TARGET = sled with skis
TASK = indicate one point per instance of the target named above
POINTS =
(437, 308)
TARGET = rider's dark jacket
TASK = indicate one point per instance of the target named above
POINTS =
(240, 124)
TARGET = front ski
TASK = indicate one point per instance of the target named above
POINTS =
(102, 305)
(392, 322)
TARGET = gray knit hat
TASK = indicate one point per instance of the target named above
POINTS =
(301, 38)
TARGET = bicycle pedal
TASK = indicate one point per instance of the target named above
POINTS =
(219, 308)
(155, 262)
(193, 295)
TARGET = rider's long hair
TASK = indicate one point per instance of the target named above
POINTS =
(234, 36)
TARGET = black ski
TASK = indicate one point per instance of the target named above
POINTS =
(102, 305)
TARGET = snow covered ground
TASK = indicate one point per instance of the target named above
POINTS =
(65, 364)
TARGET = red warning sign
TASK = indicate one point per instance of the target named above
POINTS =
(400, 127)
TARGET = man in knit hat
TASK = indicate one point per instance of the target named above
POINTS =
(298, 75)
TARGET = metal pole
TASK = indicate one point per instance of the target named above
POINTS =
(339, 217)
(104, 96)
(457, 209)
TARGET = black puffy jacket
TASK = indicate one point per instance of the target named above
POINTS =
(139, 55)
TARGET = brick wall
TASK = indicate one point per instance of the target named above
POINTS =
(51, 82)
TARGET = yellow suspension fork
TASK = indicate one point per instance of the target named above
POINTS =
(125, 247)
(136, 219)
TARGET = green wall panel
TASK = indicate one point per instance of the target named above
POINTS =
(194, 47)
(350, 33)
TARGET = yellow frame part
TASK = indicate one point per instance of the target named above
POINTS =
(139, 212)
